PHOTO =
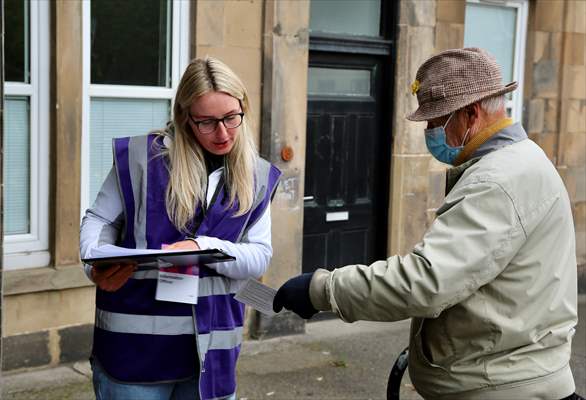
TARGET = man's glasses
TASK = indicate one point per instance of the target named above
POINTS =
(208, 126)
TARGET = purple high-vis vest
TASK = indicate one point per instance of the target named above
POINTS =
(138, 339)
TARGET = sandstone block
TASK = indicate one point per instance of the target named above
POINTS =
(418, 12)
(547, 46)
(549, 15)
(579, 212)
(244, 23)
(545, 79)
(421, 47)
(574, 47)
(536, 116)
(249, 71)
(574, 82)
(25, 351)
(210, 23)
(45, 310)
(292, 17)
(408, 208)
(411, 139)
(437, 187)
(551, 116)
(575, 181)
(573, 149)
(451, 11)
(574, 116)
(575, 16)
(448, 36)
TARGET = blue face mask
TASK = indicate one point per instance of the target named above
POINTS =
(435, 139)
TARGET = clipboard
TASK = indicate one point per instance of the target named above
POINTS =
(164, 259)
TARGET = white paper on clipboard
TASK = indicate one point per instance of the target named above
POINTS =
(154, 259)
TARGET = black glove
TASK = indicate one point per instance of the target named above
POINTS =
(294, 296)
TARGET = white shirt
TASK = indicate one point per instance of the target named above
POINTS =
(102, 223)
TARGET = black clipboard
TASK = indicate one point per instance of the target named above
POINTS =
(160, 260)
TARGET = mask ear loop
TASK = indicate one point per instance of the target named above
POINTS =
(465, 136)
(448, 121)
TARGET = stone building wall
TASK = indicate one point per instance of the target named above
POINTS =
(48, 313)
(555, 99)
(266, 44)
(417, 180)
(232, 32)
(284, 100)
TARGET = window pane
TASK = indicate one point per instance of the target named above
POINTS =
(16, 166)
(338, 82)
(346, 17)
(493, 28)
(16, 42)
(130, 42)
(112, 118)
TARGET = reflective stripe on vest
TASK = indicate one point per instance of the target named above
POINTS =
(219, 340)
(208, 286)
(130, 319)
(144, 324)
(164, 325)
(138, 156)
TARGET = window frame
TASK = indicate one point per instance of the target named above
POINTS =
(515, 104)
(31, 250)
(179, 42)
(351, 36)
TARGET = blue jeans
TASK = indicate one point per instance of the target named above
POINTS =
(108, 389)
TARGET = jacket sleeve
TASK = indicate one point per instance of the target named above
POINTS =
(253, 253)
(103, 221)
(474, 236)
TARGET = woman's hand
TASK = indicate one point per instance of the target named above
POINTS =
(113, 277)
(182, 245)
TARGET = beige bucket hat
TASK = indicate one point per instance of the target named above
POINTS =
(454, 79)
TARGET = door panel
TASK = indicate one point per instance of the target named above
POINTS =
(346, 163)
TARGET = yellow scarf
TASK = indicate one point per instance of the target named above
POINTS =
(481, 138)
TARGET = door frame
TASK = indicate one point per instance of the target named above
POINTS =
(385, 47)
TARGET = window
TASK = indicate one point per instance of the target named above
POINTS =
(338, 82)
(500, 27)
(26, 134)
(135, 52)
(345, 17)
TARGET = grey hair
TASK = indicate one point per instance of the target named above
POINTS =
(493, 104)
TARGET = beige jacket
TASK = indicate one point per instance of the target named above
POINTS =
(491, 287)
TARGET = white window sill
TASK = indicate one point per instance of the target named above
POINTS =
(26, 260)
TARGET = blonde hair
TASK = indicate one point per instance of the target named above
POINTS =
(188, 173)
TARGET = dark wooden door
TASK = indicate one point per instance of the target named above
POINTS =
(347, 153)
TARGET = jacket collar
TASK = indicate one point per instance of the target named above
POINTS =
(480, 138)
(510, 134)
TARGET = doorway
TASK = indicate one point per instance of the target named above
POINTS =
(348, 145)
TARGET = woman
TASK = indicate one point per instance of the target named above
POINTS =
(199, 184)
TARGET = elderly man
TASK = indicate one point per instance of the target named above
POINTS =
(492, 286)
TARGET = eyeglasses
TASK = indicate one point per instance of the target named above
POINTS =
(208, 126)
